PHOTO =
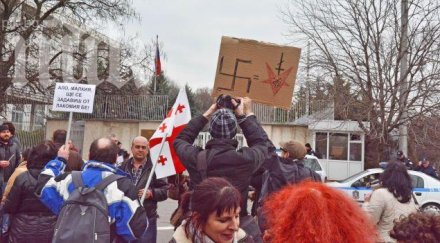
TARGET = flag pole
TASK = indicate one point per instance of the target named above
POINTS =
(68, 130)
(150, 177)
(155, 67)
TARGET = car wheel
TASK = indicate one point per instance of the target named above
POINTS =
(431, 208)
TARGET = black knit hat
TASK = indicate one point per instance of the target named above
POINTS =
(223, 124)
(4, 128)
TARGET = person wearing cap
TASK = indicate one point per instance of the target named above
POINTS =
(426, 167)
(222, 157)
(402, 158)
(294, 152)
(283, 170)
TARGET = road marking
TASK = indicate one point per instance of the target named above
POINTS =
(165, 228)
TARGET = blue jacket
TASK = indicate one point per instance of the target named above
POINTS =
(129, 217)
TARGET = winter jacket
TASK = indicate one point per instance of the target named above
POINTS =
(223, 159)
(158, 186)
(279, 173)
(16, 141)
(283, 171)
(7, 150)
(428, 170)
(20, 169)
(180, 236)
(31, 221)
(129, 217)
(384, 208)
(408, 163)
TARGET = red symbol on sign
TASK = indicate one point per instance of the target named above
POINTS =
(162, 159)
(277, 82)
(180, 108)
(163, 127)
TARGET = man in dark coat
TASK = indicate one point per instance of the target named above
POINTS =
(9, 155)
(402, 158)
(222, 157)
(139, 167)
(426, 167)
(281, 171)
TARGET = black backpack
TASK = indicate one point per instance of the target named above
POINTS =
(84, 216)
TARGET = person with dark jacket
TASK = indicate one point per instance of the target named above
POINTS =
(139, 167)
(13, 137)
(221, 154)
(127, 217)
(425, 167)
(283, 170)
(31, 221)
(9, 155)
(403, 159)
(310, 151)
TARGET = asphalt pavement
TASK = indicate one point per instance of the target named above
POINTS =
(164, 229)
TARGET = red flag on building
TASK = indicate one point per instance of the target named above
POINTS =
(176, 119)
(158, 68)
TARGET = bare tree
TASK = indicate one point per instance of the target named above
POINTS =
(24, 20)
(359, 42)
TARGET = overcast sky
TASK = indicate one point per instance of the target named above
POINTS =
(190, 31)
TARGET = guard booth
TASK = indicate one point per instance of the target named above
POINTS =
(340, 146)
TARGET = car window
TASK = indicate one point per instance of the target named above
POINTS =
(312, 164)
(367, 181)
(417, 181)
(352, 177)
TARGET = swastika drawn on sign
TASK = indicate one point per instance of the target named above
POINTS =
(234, 75)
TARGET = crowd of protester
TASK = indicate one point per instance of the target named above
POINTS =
(50, 194)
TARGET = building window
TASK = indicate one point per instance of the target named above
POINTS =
(355, 147)
(321, 145)
(355, 151)
(17, 116)
(338, 146)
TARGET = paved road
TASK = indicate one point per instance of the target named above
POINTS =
(164, 229)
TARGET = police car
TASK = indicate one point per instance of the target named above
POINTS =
(313, 163)
(426, 188)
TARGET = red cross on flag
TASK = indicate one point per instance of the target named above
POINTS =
(176, 119)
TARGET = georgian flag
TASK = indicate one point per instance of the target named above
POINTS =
(168, 162)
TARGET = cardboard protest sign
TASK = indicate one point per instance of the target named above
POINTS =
(73, 97)
(262, 71)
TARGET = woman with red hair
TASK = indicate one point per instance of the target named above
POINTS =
(314, 212)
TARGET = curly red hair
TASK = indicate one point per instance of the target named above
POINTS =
(417, 227)
(314, 212)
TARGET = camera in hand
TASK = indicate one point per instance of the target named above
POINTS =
(225, 101)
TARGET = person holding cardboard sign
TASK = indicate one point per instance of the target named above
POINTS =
(221, 158)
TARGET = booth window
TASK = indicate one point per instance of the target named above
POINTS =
(321, 145)
(338, 146)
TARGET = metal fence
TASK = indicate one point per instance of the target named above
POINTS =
(30, 138)
(29, 113)
(269, 114)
